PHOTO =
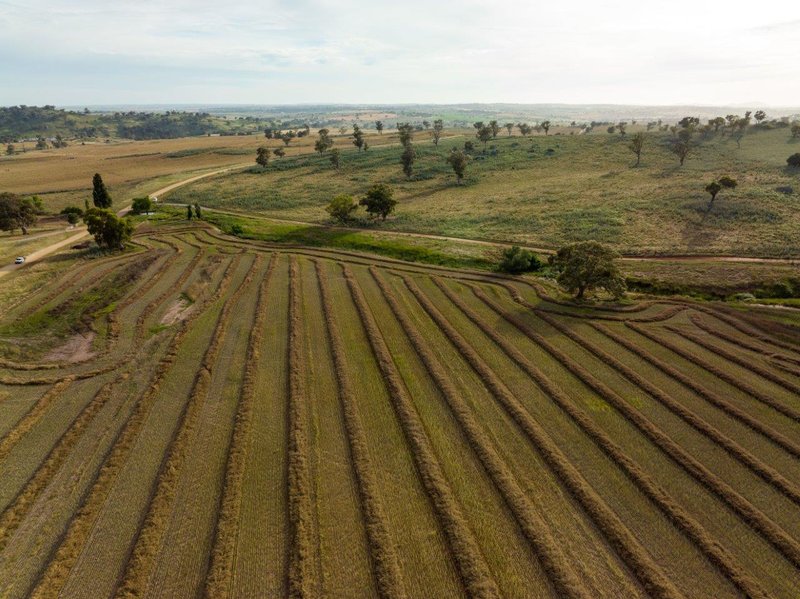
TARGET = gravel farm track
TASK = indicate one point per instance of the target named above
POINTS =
(264, 421)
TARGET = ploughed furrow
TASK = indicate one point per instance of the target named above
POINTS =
(711, 397)
(149, 538)
(732, 380)
(18, 508)
(302, 578)
(649, 574)
(29, 420)
(747, 365)
(74, 538)
(560, 573)
(471, 564)
(756, 519)
(684, 521)
(386, 569)
(765, 471)
(221, 561)
(745, 342)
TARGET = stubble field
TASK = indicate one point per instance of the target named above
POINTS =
(258, 420)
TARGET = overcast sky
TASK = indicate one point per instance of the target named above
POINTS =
(76, 52)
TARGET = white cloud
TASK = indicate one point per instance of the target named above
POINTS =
(282, 51)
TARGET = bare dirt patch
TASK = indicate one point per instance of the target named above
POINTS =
(78, 348)
(177, 311)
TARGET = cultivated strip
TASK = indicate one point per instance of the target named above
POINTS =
(220, 569)
(756, 519)
(29, 420)
(149, 536)
(13, 515)
(472, 567)
(746, 364)
(66, 553)
(388, 578)
(652, 578)
(703, 540)
(301, 563)
(765, 471)
(713, 398)
(718, 372)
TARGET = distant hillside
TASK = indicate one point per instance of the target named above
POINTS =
(27, 122)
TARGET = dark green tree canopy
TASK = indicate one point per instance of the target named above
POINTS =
(586, 266)
(16, 213)
(262, 157)
(407, 158)
(516, 260)
(341, 207)
(379, 200)
(109, 231)
(794, 160)
(458, 160)
(438, 127)
(141, 205)
(100, 195)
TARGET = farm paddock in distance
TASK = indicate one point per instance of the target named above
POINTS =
(203, 415)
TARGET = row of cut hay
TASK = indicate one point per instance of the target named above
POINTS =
(749, 514)
(543, 294)
(684, 521)
(665, 314)
(184, 239)
(747, 365)
(750, 329)
(221, 561)
(141, 319)
(711, 397)
(301, 583)
(19, 506)
(765, 471)
(75, 280)
(472, 567)
(633, 554)
(29, 420)
(388, 578)
(72, 541)
(720, 373)
(535, 529)
(787, 368)
(150, 533)
(745, 342)
(113, 317)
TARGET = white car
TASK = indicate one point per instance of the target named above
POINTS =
(19, 260)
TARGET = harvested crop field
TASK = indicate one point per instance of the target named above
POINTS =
(262, 421)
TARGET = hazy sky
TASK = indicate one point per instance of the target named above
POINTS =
(75, 52)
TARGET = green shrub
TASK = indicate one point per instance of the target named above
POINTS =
(516, 260)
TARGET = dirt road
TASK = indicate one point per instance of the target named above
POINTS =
(81, 232)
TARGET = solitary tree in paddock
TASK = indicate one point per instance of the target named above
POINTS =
(438, 127)
(379, 126)
(262, 157)
(458, 160)
(636, 145)
(588, 265)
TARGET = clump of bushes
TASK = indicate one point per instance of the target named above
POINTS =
(142, 205)
(516, 260)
